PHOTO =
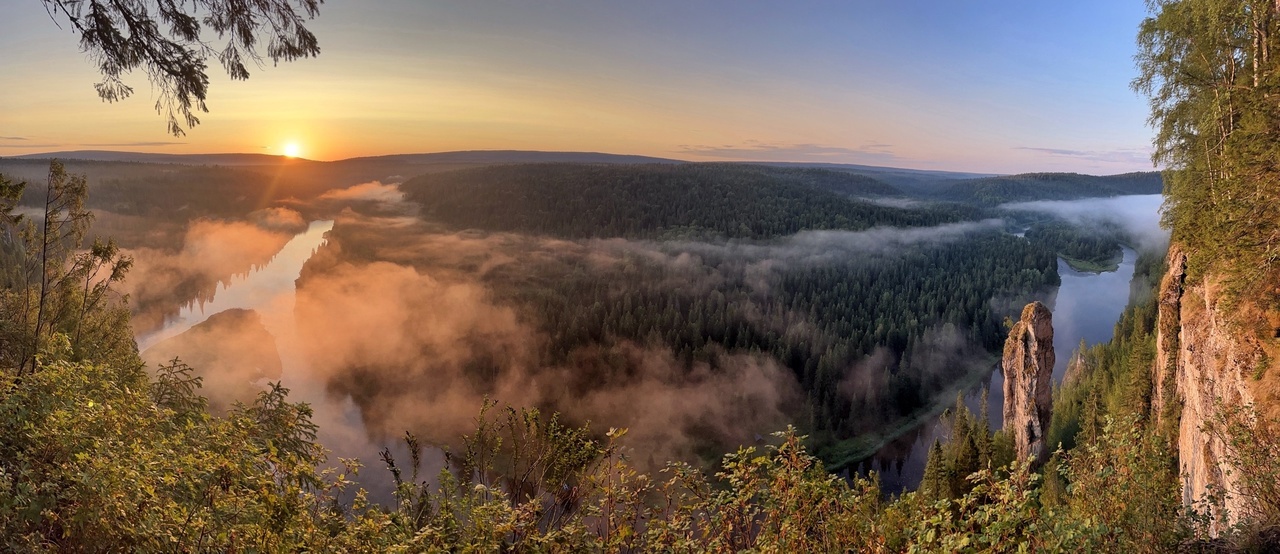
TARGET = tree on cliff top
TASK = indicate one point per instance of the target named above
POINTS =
(1212, 73)
(169, 40)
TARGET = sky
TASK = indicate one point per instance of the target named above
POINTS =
(999, 86)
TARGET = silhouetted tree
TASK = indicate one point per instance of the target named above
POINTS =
(169, 41)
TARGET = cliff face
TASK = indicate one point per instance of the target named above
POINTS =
(1208, 358)
(1028, 371)
(1165, 404)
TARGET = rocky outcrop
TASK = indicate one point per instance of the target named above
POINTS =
(1203, 351)
(1028, 372)
(1164, 398)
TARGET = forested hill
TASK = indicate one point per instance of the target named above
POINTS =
(701, 200)
(990, 191)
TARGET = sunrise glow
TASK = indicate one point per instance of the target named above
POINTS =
(656, 80)
(292, 150)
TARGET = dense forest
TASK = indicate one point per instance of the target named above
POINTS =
(100, 453)
(1089, 249)
(809, 292)
(991, 191)
(668, 201)
(922, 311)
(254, 478)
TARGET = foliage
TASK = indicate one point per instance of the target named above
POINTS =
(1253, 450)
(170, 42)
(12, 249)
(61, 289)
(970, 446)
(1094, 246)
(655, 200)
(1124, 485)
(1207, 68)
(98, 459)
(992, 191)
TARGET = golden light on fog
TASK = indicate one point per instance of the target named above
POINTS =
(292, 149)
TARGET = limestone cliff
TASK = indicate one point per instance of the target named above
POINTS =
(1028, 371)
(1210, 356)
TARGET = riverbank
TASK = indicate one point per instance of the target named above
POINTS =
(848, 453)
(1094, 266)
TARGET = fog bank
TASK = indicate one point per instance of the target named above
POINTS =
(1137, 215)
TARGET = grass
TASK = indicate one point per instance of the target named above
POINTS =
(1093, 266)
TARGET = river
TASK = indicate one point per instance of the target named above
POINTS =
(1086, 306)
(261, 289)
(270, 290)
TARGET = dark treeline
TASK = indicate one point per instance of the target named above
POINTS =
(1093, 246)
(842, 182)
(635, 201)
(176, 193)
(871, 333)
(157, 191)
(990, 191)
(927, 311)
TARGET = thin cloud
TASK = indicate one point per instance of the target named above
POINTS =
(761, 150)
(1119, 155)
(152, 143)
(26, 145)
(14, 138)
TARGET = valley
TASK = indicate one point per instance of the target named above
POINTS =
(804, 300)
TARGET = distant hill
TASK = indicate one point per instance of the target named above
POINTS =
(847, 179)
(912, 181)
(184, 159)
(991, 191)
(471, 157)
(839, 182)
(653, 200)
(513, 156)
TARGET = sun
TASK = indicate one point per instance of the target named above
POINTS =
(292, 149)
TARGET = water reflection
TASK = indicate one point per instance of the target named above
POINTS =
(1086, 306)
(257, 290)
(270, 290)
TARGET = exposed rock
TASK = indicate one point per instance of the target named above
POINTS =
(1164, 400)
(1077, 367)
(1028, 372)
(1211, 361)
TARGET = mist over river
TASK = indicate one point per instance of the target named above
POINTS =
(270, 290)
(262, 289)
(1085, 307)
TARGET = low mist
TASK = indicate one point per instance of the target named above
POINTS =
(398, 326)
(1137, 215)
(232, 352)
(212, 253)
(421, 354)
